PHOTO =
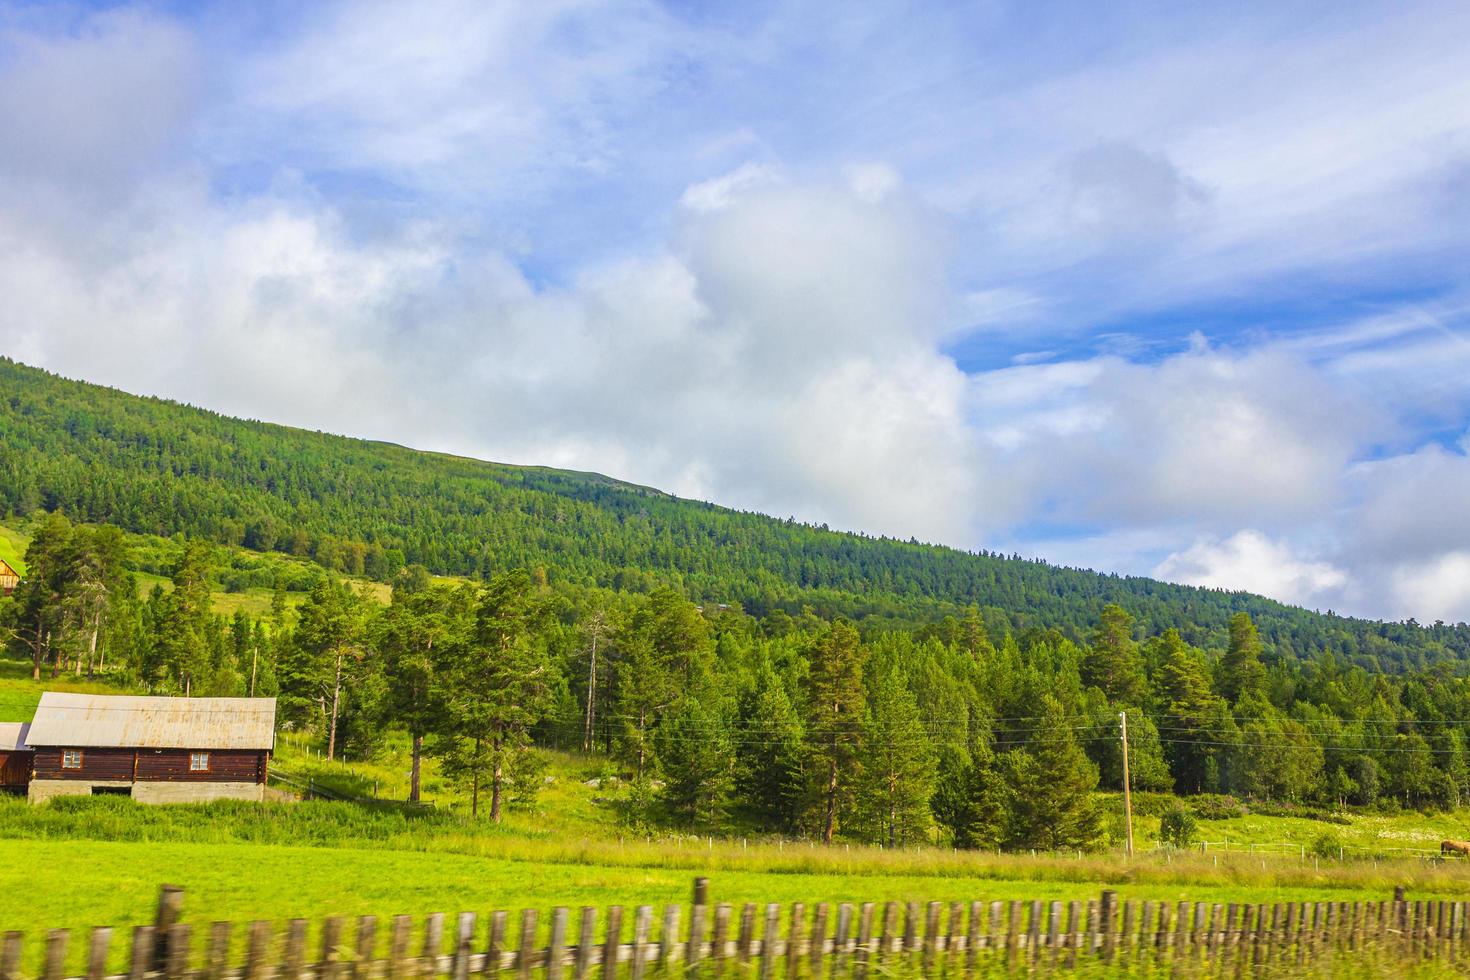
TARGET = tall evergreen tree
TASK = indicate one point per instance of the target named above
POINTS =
(1242, 674)
(496, 687)
(771, 774)
(836, 711)
(1049, 785)
(698, 753)
(1112, 662)
(898, 768)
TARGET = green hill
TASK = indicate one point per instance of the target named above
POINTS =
(368, 508)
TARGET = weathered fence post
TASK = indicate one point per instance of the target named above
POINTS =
(641, 922)
(141, 963)
(398, 939)
(102, 941)
(257, 951)
(464, 942)
(720, 938)
(10, 956)
(817, 946)
(697, 912)
(526, 949)
(55, 968)
(586, 943)
(1107, 914)
(614, 942)
(294, 964)
(840, 938)
(747, 933)
(170, 905)
(793, 940)
(770, 941)
(864, 952)
(365, 955)
(668, 937)
(327, 965)
(931, 935)
(556, 945)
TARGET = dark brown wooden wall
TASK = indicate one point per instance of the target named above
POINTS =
(155, 765)
(15, 768)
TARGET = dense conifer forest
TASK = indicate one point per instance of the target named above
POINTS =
(729, 667)
(365, 508)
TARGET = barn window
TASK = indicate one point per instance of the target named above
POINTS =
(199, 762)
(71, 759)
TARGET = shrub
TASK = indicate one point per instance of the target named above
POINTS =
(1210, 806)
(1327, 845)
(1178, 828)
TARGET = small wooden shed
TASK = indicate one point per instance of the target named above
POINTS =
(9, 578)
(157, 750)
(15, 757)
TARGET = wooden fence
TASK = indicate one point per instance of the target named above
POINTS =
(765, 941)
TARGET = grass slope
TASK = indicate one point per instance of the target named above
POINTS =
(159, 467)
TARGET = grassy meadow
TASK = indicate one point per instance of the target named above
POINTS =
(83, 862)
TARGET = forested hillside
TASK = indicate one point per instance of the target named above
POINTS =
(367, 508)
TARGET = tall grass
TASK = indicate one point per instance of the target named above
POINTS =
(346, 825)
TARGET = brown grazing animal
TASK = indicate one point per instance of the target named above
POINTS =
(1458, 847)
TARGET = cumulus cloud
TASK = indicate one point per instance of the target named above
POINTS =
(607, 235)
(1249, 561)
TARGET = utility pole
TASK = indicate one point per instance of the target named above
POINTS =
(1127, 789)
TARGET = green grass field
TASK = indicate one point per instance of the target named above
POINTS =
(92, 862)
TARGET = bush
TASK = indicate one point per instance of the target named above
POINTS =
(1178, 828)
(1211, 806)
(1327, 845)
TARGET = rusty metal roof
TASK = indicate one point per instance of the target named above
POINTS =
(111, 721)
(13, 736)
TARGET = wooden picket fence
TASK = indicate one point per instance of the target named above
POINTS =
(868, 940)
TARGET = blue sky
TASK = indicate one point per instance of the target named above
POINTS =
(1164, 289)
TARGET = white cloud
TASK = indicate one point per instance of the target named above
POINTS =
(493, 230)
(1249, 561)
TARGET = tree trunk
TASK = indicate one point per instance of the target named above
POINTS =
(37, 656)
(254, 663)
(497, 780)
(414, 773)
(830, 823)
(642, 741)
(475, 783)
(91, 646)
(591, 699)
(336, 703)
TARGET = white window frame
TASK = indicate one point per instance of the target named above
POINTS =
(66, 758)
(196, 757)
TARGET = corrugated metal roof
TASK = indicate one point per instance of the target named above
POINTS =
(13, 736)
(112, 721)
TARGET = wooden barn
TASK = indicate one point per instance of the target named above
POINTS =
(9, 578)
(157, 750)
(15, 758)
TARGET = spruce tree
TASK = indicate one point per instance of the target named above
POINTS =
(896, 777)
(1112, 661)
(771, 774)
(1049, 786)
(496, 687)
(836, 705)
(697, 753)
(1242, 674)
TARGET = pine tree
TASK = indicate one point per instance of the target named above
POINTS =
(1112, 662)
(412, 635)
(496, 687)
(771, 774)
(697, 754)
(329, 640)
(836, 706)
(1242, 674)
(1049, 785)
(897, 774)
